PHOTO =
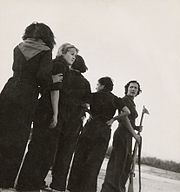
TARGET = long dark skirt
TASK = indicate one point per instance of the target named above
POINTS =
(88, 159)
(17, 106)
(118, 167)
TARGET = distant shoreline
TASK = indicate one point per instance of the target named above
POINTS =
(155, 162)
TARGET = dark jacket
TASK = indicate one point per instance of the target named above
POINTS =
(59, 66)
(133, 114)
(103, 105)
(28, 76)
(76, 90)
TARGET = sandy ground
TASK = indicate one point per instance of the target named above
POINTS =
(153, 180)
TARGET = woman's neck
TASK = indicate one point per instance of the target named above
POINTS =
(131, 97)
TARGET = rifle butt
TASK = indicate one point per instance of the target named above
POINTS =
(131, 184)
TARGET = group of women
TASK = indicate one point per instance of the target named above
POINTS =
(52, 97)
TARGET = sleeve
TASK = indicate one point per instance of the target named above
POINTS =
(45, 68)
(57, 68)
(87, 96)
(78, 89)
(119, 103)
(14, 66)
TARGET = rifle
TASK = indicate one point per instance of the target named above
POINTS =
(22, 162)
(136, 147)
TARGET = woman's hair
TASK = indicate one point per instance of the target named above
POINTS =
(79, 64)
(40, 31)
(133, 81)
(63, 49)
(107, 82)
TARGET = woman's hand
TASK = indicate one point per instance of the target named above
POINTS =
(138, 138)
(110, 122)
(53, 122)
(58, 78)
(139, 128)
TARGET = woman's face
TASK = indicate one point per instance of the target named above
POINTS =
(70, 56)
(132, 89)
(99, 87)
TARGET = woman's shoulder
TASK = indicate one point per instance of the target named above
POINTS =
(30, 49)
(129, 102)
(30, 54)
(126, 99)
(58, 60)
(86, 81)
(104, 96)
(59, 66)
(114, 97)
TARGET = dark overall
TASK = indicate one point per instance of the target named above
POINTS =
(93, 143)
(75, 91)
(43, 144)
(119, 164)
(18, 101)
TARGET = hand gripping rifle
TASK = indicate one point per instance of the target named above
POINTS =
(136, 147)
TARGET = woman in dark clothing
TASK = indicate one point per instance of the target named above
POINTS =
(93, 141)
(18, 99)
(120, 160)
(75, 91)
(45, 132)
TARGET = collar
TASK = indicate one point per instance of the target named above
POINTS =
(31, 47)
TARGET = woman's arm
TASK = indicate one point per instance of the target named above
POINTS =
(123, 116)
(58, 78)
(55, 103)
(128, 125)
(124, 113)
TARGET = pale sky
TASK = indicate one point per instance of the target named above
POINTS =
(123, 39)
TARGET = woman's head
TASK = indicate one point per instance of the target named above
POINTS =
(132, 88)
(79, 64)
(40, 31)
(105, 83)
(68, 52)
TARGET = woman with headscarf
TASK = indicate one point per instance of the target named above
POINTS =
(18, 99)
